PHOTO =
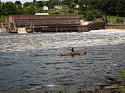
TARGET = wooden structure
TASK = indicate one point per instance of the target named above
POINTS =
(43, 23)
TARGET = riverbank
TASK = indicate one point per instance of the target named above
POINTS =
(108, 88)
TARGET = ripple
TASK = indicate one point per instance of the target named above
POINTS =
(31, 60)
(7, 64)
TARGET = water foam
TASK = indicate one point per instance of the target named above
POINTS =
(58, 40)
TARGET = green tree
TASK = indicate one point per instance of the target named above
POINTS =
(73, 5)
(54, 2)
(28, 10)
(9, 8)
(26, 4)
(18, 3)
(71, 11)
(19, 9)
(0, 8)
(39, 10)
(40, 3)
(89, 16)
(66, 2)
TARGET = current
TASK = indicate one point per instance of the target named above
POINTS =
(31, 61)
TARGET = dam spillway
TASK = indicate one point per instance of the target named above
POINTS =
(43, 23)
(48, 23)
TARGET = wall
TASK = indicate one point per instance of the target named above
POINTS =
(92, 26)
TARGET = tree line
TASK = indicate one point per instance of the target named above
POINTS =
(85, 7)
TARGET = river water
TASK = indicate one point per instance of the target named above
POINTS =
(31, 61)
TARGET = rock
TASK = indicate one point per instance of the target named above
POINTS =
(111, 87)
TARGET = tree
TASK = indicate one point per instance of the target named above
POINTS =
(40, 3)
(54, 2)
(73, 5)
(29, 10)
(39, 10)
(18, 3)
(9, 8)
(0, 8)
(26, 4)
(19, 9)
(66, 2)
(90, 16)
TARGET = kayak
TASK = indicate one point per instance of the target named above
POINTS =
(72, 53)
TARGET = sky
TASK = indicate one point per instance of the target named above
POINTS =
(22, 1)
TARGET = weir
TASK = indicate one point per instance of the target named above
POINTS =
(48, 23)
(42, 23)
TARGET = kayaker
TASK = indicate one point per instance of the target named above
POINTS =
(72, 49)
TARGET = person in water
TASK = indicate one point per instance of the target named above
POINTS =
(72, 49)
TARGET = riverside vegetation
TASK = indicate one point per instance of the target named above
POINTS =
(89, 10)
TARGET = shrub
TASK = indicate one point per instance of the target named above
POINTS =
(97, 13)
(119, 20)
(122, 89)
(71, 11)
(90, 16)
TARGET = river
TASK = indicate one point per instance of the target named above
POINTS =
(31, 61)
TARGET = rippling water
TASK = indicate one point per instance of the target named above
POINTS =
(31, 61)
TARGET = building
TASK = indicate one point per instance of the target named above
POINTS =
(43, 23)
(45, 8)
(61, 7)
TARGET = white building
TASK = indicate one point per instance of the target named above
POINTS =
(45, 7)
(41, 14)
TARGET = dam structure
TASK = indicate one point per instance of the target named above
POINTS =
(47, 23)
(42, 23)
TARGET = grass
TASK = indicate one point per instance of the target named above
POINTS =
(115, 19)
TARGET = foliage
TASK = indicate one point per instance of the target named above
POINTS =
(19, 9)
(39, 10)
(98, 8)
(28, 10)
(9, 8)
(64, 11)
(97, 13)
(122, 89)
(54, 2)
(122, 71)
(90, 16)
(119, 20)
(18, 3)
(54, 11)
(114, 19)
(26, 4)
(2, 18)
(81, 16)
(71, 11)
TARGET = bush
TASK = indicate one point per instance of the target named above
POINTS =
(71, 11)
(119, 20)
(97, 13)
(81, 16)
(90, 16)
(54, 11)
(64, 11)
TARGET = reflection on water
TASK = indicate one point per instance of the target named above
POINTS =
(32, 61)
